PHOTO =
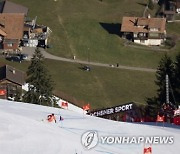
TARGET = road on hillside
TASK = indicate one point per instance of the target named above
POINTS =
(30, 51)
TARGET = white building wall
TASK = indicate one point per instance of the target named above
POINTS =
(144, 42)
(155, 41)
(178, 10)
(33, 43)
(149, 42)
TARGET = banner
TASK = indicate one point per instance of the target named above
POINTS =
(177, 112)
(148, 150)
(86, 107)
(176, 120)
(160, 118)
(2, 92)
(112, 110)
(64, 105)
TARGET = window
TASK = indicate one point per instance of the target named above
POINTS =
(135, 34)
(1, 38)
(142, 34)
(154, 35)
(154, 29)
(9, 44)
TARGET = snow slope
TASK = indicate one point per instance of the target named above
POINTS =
(24, 130)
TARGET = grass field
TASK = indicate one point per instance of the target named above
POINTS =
(89, 29)
(100, 87)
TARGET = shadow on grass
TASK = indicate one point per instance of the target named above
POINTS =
(161, 2)
(169, 125)
(142, 4)
(84, 67)
(112, 28)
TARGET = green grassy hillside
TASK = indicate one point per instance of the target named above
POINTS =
(101, 87)
(91, 28)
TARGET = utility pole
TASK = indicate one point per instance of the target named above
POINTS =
(167, 89)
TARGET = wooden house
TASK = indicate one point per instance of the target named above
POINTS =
(12, 18)
(11, 30)
(169, 8)
(178, 6)
(145, 31)
(11, 81)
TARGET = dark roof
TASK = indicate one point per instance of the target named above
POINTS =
(10, 7)
(12, 74)
(178, 4)
(1, 6)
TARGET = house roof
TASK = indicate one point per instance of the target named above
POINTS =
(13, 75)
(140, 24)
(3, 33)
(178, 4)
(10, 7)
(1, 6)
(12, 25)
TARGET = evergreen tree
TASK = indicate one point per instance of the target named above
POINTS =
(166, 67)
(18, 95)
(153, 106)
(40, 83)
(177, 78)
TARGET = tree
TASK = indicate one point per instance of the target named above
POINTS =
(177, 78)
(153, 106)
(40, 83)
(151, 4)
(166, 67)
(18, 95)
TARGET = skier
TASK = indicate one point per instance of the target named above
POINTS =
(61, 118)
(51, 118)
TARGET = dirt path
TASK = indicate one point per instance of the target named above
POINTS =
(30, 52)
(145, 10)
(66, 35)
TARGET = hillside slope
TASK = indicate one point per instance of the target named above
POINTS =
(90, 30)
(24, 130)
